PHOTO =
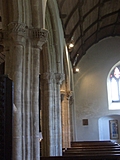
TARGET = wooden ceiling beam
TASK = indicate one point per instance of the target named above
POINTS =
(100, 19)
(71, 13)
(97, 5)
(72, 32)
(99, 11)
(82, 40)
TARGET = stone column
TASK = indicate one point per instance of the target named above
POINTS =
(51, 114)
(66, 131)
(47, 107)
(57, 118)
(38, 37)
(17, 40)
(72, 119)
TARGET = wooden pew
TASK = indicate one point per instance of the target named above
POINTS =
(77, 153)
(88, 147)
(91, 157)
(92, 147)
(89, 150)
(92, 143)
(117, 148)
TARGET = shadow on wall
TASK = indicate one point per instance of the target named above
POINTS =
(109, 128)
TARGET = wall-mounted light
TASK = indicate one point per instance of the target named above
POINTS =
(75, 70)
(71, 45)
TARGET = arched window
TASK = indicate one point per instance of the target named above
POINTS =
(115, 84)
(114, 88)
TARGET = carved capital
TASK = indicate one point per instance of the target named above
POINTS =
(19, 32)
(66, 94)
(39, 37)
(59, 77)
(47, 77)
(16, 32)
(19, 28)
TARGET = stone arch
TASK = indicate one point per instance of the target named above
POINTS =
(58, 37)
(52, 74)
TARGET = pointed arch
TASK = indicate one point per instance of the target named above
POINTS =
(52, 68)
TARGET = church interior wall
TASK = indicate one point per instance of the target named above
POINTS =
(91, 101)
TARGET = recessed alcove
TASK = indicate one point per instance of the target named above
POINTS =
(104, 127)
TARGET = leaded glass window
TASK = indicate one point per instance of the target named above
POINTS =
(115, 84)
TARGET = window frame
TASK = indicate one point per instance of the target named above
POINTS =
(112, 104)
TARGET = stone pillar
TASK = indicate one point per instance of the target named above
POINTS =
(72, 119)
(17, 40)
(38, 37)
(17, 67)
(51, 114)
(66, 131)
(47, 93)
(57, 118)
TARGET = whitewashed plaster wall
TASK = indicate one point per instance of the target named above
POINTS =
(90, 84)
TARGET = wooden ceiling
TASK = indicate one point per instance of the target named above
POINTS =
(85, 22)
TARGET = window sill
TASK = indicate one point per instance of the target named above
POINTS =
(114, 106)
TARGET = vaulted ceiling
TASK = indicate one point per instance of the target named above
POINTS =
(85, 22)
